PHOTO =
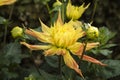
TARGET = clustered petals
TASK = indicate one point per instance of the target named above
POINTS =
(77, 11)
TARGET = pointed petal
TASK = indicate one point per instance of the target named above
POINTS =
(6, 2)
(76, 48)
(40, 36)
(59, 19)
(70, 62)
(93, 60)
(35, 47)
(91, 45)
(50, 51)
(45, 28)
(54, 50)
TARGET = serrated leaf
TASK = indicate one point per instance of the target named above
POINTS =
(109, 45)
(52, 61)
(105, 52)
(105, 35)
(48, 76)
(13, 52)
(2, 20)
(112, 70)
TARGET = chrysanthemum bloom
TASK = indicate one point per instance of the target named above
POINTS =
(6, 2)
(75, 12)
(62, 40)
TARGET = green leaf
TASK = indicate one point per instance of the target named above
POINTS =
(109, 45)
(9, 74)
(105, 35)
(112, 70)
(48, 76)
(13, 52)
(2, 20)
(105, 52)
(52, 61)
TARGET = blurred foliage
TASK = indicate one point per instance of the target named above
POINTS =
(16, 62)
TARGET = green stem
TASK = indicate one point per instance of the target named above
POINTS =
(62, 11)
(83, 50)
(94, 9)
(11, 11)
(60, 66)
(6, 25)
(49, 11)
(34, 63)
(5, 34)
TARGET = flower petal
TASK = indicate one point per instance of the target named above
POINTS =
(36, 47)
(50, 51)
(93, 60)
(76, 48)
(91, 45)
(40, 36)
(45, 28)
(54, 50)
(6, 2)
(59, 19)
(70, 62)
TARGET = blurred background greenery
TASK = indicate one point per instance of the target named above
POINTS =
(17, 64)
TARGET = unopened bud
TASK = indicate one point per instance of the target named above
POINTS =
(92, 32)
(17, 32)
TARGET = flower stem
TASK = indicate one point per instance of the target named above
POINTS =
(6, 25)
(83, 50)
(34, 63)
(94, 9)
(60, 66)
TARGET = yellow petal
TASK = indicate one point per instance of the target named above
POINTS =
(70, 62)
(54, 50)
(91, 45)
(36, 47)
(45, 28)
(59, 19)
(50, 51)
(6, 2)
(93, 60)
(40, 36)
(76, 48)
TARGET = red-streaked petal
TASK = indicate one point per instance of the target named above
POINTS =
(59, 19)
(35, 47)
(50, 51)
(76, 48)
(93, 60)
(40, 36)
(70, 62)
(91, 45)
(7, 2)
(45, 28)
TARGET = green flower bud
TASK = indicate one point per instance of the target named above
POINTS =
(92, 32)
(17, 32)
(57, 3)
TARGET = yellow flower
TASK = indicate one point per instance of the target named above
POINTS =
(6, 2)
(75, 12)
(17, 32)
(62, 39)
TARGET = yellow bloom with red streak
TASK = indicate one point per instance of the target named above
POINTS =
(62, 39)
(75, 12)
(6, 2)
